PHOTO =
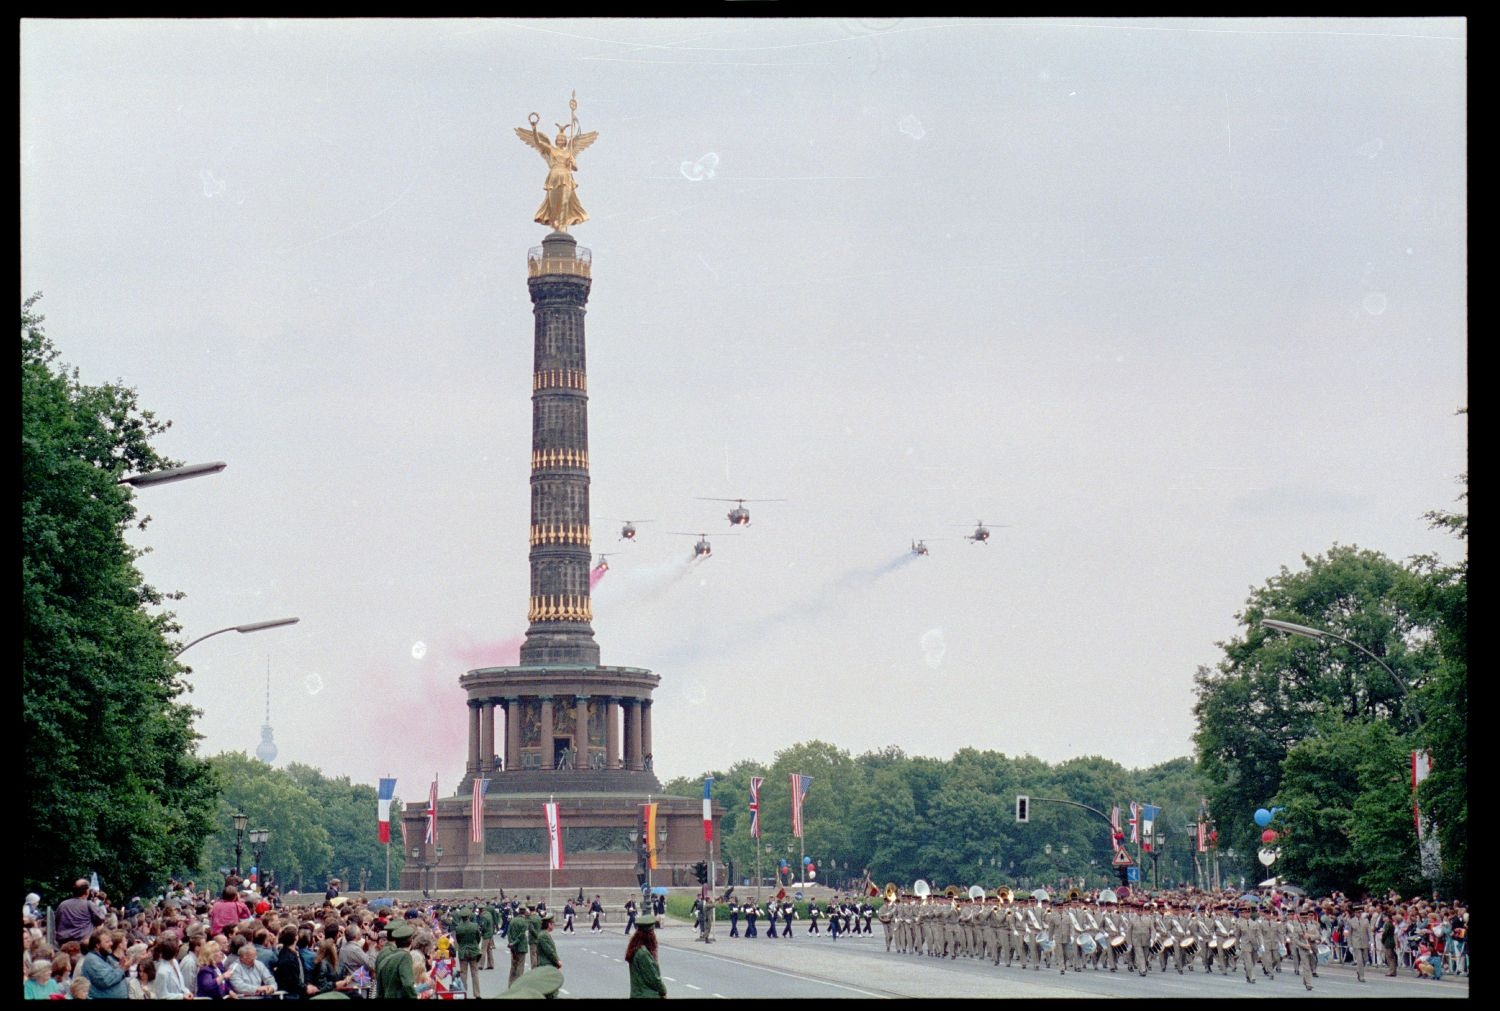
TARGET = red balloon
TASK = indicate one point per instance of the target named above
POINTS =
(1269, 836)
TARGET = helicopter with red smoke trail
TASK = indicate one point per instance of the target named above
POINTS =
(739, 516)
(700, 550)
(919, 548)
(603, 564)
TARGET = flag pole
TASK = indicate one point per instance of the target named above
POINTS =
(480, 816)
(551, 799)
(388, 853)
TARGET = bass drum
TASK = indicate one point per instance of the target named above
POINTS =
(1325, 954)
(1045, 942)
(1087, 944)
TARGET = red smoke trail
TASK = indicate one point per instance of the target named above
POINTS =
(596, 574)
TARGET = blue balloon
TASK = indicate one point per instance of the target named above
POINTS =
(1262, 817)
(806, 861)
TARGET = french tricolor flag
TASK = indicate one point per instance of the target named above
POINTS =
(387, 794)
(708, 810)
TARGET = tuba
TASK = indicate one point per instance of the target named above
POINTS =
(1074, 895)
(891, 892)
(921, 889)
(951, 892)
(1005, 895)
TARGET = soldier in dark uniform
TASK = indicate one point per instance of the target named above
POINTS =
(868, 912)
(568, 913)
(630, 910)
(833, 920)
(734, 919)
(752, 911)
(596, 911)
(788, 911)
(813, 912)
(771, 913)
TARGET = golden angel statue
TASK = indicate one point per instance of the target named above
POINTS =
(560, 208)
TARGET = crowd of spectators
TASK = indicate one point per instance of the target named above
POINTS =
(188, 944)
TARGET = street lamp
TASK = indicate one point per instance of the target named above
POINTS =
(255, 626)
(416, 858)
(240, 821)
(435, 863)
(1319, 634)
(258, 837)
(172, 474)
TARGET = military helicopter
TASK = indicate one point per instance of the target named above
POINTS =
(739, 516)
(981, 534)
(627, 532)
(700, 550)
(603, 564)
(919, 548)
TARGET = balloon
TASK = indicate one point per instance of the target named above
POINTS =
(1269, 836)
(1262, 817)
(811, 874)
(806, 860)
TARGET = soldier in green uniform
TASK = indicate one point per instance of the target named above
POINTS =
(486, 936)
(545, 947)
(534, 923)
(466, 935)
(394, 977)
(518, 939)
(640, 956)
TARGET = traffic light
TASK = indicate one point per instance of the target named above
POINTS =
(1023, 809)
(700, 871)
(1124, 873)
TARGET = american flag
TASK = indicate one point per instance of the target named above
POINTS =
(476, 813)
(755, 782)
(431, 835)
(800, 783)
(1135, 822)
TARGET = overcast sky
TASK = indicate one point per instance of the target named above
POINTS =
(1176, 301)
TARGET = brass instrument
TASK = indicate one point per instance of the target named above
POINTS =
(892, 892)
(1074, 895)
(1005, 895)
(951, 891)
(976, 891)
(922, 890)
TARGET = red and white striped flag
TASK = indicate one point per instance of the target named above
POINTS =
(476, 811)
(554, 836)
(708, 809)
(431, 834)
(1203, 837)
(755, 782)
(1135, 822)
(800, 784)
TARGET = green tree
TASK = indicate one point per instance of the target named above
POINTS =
(298, 850)
(111, 778)
(1271, 691)
(1444, 700)
(1347, 823)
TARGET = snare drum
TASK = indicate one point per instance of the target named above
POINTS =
(1087, 944)
(1325, 954)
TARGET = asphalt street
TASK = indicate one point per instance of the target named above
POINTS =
(859, 967)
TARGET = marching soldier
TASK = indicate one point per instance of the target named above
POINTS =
(1357, 930)
(788, 913)
(888, 922)
(596, 910)
(1013, 934)
(1062, 938)
(734, 919)
(630, 910)
(1247, 940)
(1140, 940)
(1176, 929)
(1114, 925)
(813, 912)
(1034, 927)
(1091, 928)
(752, 912)
(1306, 937)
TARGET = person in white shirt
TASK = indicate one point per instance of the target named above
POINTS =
(249, 977)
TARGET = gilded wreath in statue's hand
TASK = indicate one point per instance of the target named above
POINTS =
(560, 208)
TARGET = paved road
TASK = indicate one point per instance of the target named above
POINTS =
(859, 967)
